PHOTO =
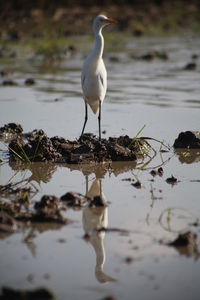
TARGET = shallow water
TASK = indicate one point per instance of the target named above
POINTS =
(159, 94)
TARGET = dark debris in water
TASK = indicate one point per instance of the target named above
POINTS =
(137, 184)
(184, 240)
(159, 172)
(15, 294)
(49, 209)
(9, 82)
(29, 81)
(172, 180)
(18, 211)
(150, 56)
(98, 201)
(73, 199)
(109, 297)
(186, 244)
(128, 259)
(190, 66)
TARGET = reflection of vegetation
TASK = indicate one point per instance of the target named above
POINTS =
(145, 152)
(188, 156)
(41, 172)
(20, 191)
(170, 217)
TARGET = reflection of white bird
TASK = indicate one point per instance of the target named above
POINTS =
(93, 219)
(94, 75)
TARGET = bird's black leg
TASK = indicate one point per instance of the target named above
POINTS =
(99, 119)
(86, 118)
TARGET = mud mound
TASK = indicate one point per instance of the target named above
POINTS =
(188, 139)
(10, 130)
(37, 146)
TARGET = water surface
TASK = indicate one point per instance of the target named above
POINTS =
(157, 93)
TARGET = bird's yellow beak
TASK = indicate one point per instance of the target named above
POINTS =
(111, 21)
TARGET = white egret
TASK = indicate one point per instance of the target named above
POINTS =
(94, 75)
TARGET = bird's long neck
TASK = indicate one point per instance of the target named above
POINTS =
(99, 45)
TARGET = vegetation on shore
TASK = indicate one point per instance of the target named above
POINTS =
(52, 29)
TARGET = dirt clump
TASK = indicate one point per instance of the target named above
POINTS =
(152, 55)
(73, 199)
(37, 294)
(184, 239)
(11, 129)
(137, 184)
(98, 201)
(29, 81)
(190, 66)
(172, 180)
(188, 139)
(159, 172)
(9, 82)
(37, 146)
(48, 209)
(110, 297)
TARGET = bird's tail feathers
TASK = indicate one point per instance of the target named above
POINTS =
(94, 107)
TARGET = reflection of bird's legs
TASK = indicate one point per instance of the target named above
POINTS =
(86, 118)
(99, 119)
(100, 187)
(86, 178)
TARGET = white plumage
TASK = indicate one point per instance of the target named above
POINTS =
(94, 75)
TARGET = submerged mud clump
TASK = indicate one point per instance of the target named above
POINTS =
(37, 146)
(37, 294)
(153, 55)
(49, 209)
(98, 201)
(184, 240)
(186, 244)
(190, 66)
(172, 180)
(188, 139)
(7, 223)
(73, 199)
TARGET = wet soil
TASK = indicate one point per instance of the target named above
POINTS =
(10, 130)
(37, 294)
(188, 139)
(73, 199)
(48, 210)
(37, 146)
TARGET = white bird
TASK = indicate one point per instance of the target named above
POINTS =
(94, 75)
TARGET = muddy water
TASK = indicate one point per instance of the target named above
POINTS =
(131, 263)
